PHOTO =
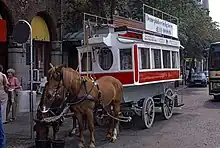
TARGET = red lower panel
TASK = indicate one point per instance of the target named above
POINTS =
(158, 75)
(3, 31)
(124, 77)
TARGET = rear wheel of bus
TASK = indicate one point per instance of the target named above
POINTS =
(216, 97)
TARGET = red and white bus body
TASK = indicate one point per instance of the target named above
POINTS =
(139, 80)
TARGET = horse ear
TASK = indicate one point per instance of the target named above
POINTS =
(59, 68)
(51, 65)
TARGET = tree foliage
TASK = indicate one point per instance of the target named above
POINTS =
(196, 28)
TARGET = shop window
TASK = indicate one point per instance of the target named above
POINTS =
(166, 59)
(28, 54)
(144, 58)
(156, 58)
(126, 59)
(84, 61)
(175, 59)
(105, 58)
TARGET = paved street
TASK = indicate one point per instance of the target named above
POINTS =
(196, 125)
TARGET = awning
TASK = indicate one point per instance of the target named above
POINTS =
(40, 29)
(75, 36)
(3, 31)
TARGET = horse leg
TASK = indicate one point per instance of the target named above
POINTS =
(90, 118)
(74, 128)
(79, 116)
(84, 120)
(116, 122)
(55, 130)
(110, 126)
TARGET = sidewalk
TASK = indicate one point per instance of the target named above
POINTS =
(18, 132)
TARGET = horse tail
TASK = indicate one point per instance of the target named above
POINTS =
(119, 87)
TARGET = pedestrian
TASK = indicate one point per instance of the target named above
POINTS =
(2, 132)
(3, 94)
(14, 87)
(3, 101)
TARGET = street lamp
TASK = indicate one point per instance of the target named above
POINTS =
(21, 33)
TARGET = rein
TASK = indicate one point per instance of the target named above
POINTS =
(79, 100)
(69, 97)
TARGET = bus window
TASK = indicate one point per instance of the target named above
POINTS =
(126, 59)
(214, 57)
(144, 58)
(156, 58)
(166, 59)
(175, 59)
(105, 58)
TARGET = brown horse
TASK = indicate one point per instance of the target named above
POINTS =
(107, 91)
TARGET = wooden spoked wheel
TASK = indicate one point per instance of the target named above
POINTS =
(148, 112)
(168, 104)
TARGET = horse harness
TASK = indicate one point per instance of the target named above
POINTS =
(77, 99)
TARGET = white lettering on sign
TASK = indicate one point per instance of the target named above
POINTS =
(158, 25)
(160, 40)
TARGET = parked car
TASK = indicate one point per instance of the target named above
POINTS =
(206, 73)
(198, 79)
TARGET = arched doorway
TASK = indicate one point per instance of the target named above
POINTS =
(6, 27)
(42, 37)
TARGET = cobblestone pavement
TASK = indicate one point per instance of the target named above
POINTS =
(196, 125)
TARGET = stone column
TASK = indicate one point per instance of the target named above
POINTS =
(56, 53)
(17, 60)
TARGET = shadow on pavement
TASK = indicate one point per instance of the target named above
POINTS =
(18, 132)
(212, 104)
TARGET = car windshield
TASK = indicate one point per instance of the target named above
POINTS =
(198, 75)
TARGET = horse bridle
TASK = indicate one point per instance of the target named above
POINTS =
(59, 77)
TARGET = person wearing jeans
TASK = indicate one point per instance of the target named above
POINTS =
(2, 133)
(3, 104)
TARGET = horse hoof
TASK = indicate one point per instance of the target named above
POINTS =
(92, 145)
(113, 140)
(80, 145)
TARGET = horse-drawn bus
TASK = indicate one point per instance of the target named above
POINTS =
(143, 56)
(145, 61)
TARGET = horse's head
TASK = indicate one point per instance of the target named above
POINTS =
(59, 77)
(55, 82)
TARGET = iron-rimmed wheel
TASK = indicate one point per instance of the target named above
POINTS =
(168, 104)
(100, 118)
(216, 97)
(148, 112)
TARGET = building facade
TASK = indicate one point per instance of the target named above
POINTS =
(44, 17)
(57, 31)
